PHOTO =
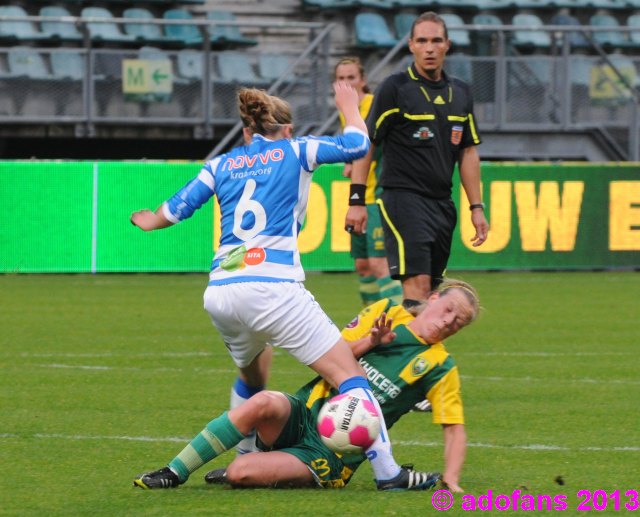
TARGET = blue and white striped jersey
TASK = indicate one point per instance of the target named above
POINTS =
(263, 190)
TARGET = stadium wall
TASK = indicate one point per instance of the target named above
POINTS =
(73, 217)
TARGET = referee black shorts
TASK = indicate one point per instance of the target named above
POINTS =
(418, 232)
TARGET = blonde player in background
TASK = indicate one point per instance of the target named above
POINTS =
(367, 249)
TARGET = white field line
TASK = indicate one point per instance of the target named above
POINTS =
(614, 382)
(123, 354)
(604, 382)
(133, 368)
(530, 447)
(550, 354)
(88, 355)
(212, 354)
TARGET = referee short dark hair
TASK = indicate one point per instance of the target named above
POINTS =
(430, 16)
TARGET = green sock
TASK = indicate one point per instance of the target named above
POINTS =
(390, 288)
(369, 290)
(218, 436)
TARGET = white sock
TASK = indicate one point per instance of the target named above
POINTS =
(379, 454)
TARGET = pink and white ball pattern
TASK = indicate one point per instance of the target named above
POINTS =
(348, 424)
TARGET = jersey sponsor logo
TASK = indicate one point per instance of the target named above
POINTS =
(419, 366)
(234, 261)
(380, 382)
(423, 133)
(353, 323)
(456, 134)
(254, 256)
(247, 161)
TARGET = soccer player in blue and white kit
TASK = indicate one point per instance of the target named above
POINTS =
(255, 294)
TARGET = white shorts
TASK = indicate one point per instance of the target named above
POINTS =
(250, 315)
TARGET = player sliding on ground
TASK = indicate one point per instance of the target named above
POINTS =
(411, 363)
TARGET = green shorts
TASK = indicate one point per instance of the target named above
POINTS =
(300, 438)
(371, 244)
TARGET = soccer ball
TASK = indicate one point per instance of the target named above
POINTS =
(348, 424)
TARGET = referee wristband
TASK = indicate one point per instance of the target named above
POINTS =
(476, 205)
(356, 194)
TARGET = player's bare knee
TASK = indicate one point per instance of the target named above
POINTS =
(239, 471)
(267, 404)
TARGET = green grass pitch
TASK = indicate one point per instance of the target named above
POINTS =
(105, 377)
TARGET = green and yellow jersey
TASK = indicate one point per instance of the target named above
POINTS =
(401, 373)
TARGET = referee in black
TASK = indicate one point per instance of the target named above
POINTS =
(424, 121)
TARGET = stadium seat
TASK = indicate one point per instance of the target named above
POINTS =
(376, 4)
(529, 39)
(488, 5)
(634, 35)
(18, 31)
(573, 4)
(107, 31)
(608, 4)
(28, 63)
(272, 67)
(580, 71)
(372, 31)
(402, 23)
(188, 34)
(484, 39)
(190, 65)
(486, 19)
(576, 39)
(58, 30)
(410, 3)
(534, 4)
(146, 33)
(227, 36)
(459, 37)
(235, 67)
(330, 4)
(607, 39)
(68, 64)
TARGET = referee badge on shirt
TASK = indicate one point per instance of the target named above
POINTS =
(456, 134)
(423, 133)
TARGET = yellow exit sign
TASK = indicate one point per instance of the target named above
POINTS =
(143, 76)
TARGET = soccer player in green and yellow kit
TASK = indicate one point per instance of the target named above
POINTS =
(367, 249)
(410, 365)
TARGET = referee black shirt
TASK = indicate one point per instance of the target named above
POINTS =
(423, 125)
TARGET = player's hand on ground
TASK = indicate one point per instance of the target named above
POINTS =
(482, 227)
(356, 220)
(381, 333)
(452, 487)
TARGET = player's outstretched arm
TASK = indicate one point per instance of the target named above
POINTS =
(147, 220)
(455, 446)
